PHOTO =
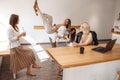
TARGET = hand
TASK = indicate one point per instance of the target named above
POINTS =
(75, 44)
(23, 33)
(55, 27)
(65, 37)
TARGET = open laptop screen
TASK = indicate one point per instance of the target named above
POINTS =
(108, 47)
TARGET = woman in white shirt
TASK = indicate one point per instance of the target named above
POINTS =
(66, 31)
(20, 56)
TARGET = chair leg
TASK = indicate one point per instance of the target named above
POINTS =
(14, 76)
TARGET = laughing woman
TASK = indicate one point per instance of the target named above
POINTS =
(20, 56)
(85, 36)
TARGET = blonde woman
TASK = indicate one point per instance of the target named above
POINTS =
(85, 36)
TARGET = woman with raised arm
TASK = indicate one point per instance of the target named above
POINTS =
(54, 31)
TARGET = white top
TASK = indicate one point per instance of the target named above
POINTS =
(12, 37)
(62, 31)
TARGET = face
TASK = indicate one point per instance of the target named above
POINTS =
(81, 28)
(66, 22)
(85, 28)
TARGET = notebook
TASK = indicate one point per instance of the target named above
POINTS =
(108, 47)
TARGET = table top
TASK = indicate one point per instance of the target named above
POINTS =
(5, 52)
(116, 33)
(3, 48)
(68, 57)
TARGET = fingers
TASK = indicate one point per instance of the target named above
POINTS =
(23, 34)
(75, 44)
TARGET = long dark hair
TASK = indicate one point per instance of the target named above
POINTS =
(13, 21)
(69, 23)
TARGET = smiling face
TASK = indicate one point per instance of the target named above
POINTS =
(67, 22)
(81, 28)
(85, 28)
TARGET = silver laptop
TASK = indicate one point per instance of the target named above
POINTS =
(108, 47)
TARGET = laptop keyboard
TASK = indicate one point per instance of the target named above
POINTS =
(99, 48)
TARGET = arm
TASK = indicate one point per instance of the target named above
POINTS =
(40, 12)
(56, 27)
(36, 9)
(87, 42)
(13, 38)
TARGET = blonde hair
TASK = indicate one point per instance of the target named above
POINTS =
(86, 27)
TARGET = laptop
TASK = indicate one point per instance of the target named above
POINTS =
(108, 47)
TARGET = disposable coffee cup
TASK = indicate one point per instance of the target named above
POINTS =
(81, 50)
(24, 33)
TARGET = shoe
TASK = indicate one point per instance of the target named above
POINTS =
(30, 74)
(36, 66)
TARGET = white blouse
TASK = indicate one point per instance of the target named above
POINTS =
(13, 37)
(62, 31)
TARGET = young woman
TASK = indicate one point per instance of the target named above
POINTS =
(85, 36)
(54, 31)
(20, 56)
(65, 31)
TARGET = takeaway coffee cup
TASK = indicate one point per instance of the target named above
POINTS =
(81, 50)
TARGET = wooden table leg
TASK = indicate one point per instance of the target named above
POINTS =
(59, 70)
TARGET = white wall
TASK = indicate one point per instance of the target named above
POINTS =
(99, 14)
